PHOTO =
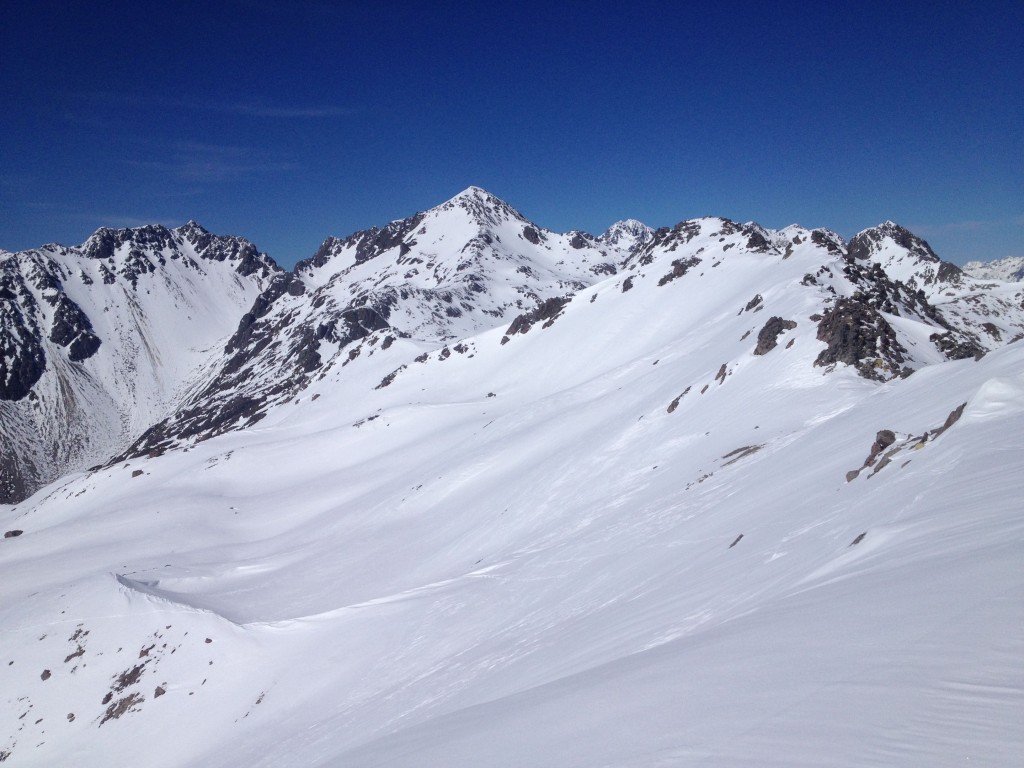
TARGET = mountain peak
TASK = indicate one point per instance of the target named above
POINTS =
(103, 243)
(473, 192)
(628, 233)
(871, 241)
(1010, 269)
(484, 209)
(192, 227)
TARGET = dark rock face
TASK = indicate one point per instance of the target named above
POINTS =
(767, 337)
(531, 235)
(877, 290)
(866, 243)
(756, 241)
(545, 312)
(369, 244)
(679, 268)
(146, 248)
(235, 249)
(949, 272)
(956, 347)
(105, 242)
(280, 285)
(271, 332)
(883, 440)
(22, 359)
(675, 403)
(580, 240)
(857, 334)
(882, 294)
(827, 240)
(72, 329)
(666, 239)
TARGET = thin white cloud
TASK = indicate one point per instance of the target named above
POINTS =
(125, 222)
(258, 110)
(967, 225)
(200, 162)
(245, 109)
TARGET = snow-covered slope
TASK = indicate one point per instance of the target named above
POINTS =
(474, 263)
(101, 340)
(1009, 269)
(467, 265)
(729, 504)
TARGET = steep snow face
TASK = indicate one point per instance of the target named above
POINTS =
(101, 340)
(1010, 269)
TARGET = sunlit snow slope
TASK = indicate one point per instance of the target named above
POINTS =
(728, 504)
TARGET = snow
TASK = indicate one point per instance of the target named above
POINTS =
(157, 340)
(1009, 269)
(425, 574)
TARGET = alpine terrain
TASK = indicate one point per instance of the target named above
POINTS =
(463, 491)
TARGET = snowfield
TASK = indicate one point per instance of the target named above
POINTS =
(617, 539)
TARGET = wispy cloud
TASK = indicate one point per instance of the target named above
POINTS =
(975, 239)
(118, 221)
(259, 110)
(967, 226)
(245, 109)
(199, 162)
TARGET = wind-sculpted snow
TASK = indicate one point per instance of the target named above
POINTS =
(515, 554)
(463, 491)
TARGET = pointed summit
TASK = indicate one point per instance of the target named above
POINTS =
(478, 194)
(873, 241)
(486, 209)
(628, 233)
(192, 227)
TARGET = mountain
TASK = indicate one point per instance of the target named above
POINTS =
(438, 276)
(628, 233)
(103, 339)
(713, 495)
(1010, 269)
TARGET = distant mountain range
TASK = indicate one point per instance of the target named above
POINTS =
(1009, 269)
(141, 340)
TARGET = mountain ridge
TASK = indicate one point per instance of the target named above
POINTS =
(639, 505)
(442, 276)
(91, 346)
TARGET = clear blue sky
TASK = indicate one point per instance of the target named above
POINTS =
(287, 122)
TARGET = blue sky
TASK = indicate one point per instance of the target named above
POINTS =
(287, 122)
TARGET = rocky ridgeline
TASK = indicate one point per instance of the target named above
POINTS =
(441, 276)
